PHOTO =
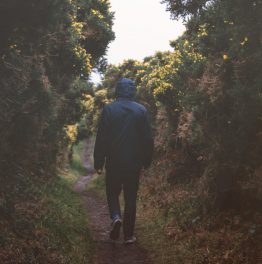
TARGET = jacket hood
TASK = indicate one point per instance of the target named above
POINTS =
(125, 88)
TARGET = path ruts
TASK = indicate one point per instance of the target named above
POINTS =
(106, 251)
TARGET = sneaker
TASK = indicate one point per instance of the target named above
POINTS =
(130, 240)
(115, 231)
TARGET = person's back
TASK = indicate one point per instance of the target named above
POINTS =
(124, 142)
(124, 136)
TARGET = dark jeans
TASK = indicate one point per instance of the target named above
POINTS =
(117, 181)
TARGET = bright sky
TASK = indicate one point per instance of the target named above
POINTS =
(142, 27)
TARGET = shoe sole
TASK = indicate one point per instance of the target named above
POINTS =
(115, 232)
(129, 242)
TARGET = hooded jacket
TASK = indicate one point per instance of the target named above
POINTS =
(124, 139)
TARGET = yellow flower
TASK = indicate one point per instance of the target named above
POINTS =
(202, 32)
(71, 131)
(244, 41)
(225, 57)
(97, 14)
(186, 43)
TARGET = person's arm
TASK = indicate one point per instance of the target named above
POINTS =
(148, 142)
(101, 141)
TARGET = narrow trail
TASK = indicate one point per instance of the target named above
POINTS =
(106, 251)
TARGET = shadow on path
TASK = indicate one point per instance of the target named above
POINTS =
(106, 251)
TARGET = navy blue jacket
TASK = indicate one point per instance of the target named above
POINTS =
(124, 139)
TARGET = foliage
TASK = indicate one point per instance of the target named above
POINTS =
(209, 89)
(45, 48)
(200, 201)
(171, 228)
(47, 226)
(47, 51)
(184, 8)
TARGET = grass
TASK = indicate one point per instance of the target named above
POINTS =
(76, 166)
(66, 222)
(98, 181)
(48, 224)
(66, 218)
(173, 229)
(98, 185)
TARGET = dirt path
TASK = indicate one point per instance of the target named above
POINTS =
(106, 251)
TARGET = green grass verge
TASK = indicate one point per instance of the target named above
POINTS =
(66, 222)
(171, 226)
(98, 185)
(76, 166)
(47, 224)
(65, 219)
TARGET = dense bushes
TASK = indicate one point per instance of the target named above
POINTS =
(47, 51)
(209, 89)
(46, 46)
(204, 97)
(205, 103)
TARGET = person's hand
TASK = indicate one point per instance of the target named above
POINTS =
(99, 171)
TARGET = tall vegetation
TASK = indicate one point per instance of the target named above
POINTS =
(47, 51)
(205, 99)
(202, 197)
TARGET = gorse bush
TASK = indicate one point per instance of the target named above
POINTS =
(205, 98)
(205, 103)
(46, 46)
(47, 51)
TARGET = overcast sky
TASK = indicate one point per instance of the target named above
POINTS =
(142, 27)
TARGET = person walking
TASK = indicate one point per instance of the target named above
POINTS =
(124, 144)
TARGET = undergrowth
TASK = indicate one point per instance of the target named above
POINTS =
(98, 185)
(174, 229)
(48, 223)
(76, 165)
